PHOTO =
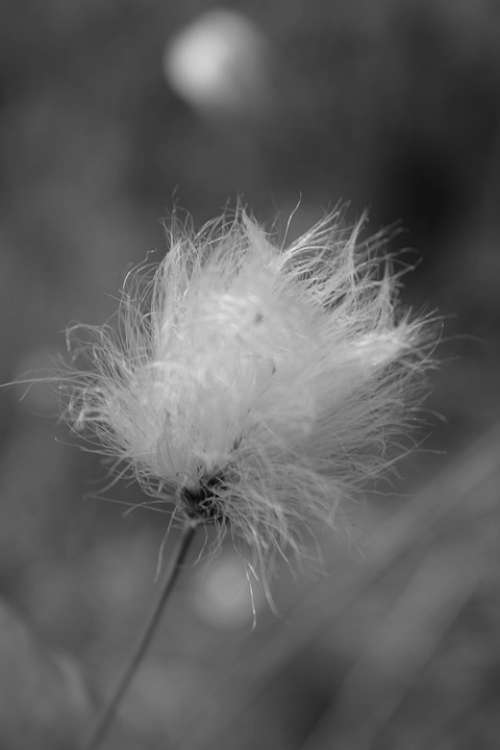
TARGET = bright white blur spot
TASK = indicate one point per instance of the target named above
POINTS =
(223, 597)
(217, 63)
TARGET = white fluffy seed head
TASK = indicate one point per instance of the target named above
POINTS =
(253, 386)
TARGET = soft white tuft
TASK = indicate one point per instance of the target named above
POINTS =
(251, 385)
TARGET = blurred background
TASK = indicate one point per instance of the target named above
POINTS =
(111, 115)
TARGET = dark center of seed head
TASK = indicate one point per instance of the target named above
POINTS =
(202, 502)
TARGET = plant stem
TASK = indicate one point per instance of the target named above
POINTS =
(105, 719)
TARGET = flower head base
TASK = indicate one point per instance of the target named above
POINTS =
(251, 385)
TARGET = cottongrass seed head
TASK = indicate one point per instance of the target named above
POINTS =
(252, 386)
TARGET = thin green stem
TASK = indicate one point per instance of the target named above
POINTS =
(108, 713)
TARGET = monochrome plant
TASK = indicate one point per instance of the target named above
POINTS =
(249, 387)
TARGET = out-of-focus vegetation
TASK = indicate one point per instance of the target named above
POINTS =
(393, 106)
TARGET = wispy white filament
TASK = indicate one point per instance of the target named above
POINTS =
(253, 386)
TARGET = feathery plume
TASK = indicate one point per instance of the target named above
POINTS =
(253, 386)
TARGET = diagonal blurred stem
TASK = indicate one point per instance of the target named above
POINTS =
(400, 647)
(105, 720)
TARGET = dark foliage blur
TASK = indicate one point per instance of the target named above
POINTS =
(112, 114)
